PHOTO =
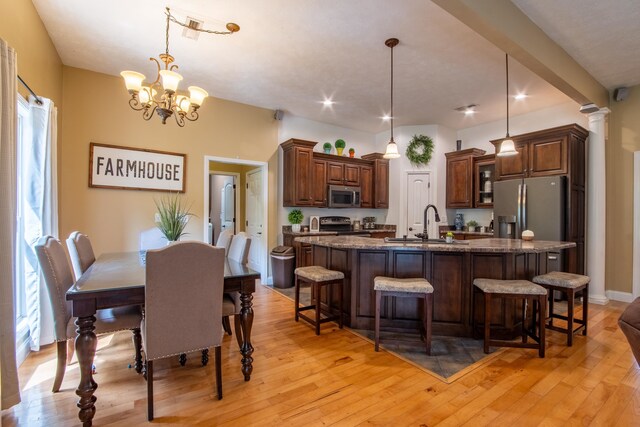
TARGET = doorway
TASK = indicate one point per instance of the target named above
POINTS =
(241, 208)
(417, 198)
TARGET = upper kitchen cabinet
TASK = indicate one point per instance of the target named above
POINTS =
(341, 173)
(483, 177)
(297, 172)
(380, 180)
(542, 153)
(319, 184)
(460, 177)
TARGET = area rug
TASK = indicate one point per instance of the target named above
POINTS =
(451, 357)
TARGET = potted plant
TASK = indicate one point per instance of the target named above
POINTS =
(471, 225)
(327, 147)
(449, 237)
(295, 218)
(352, 152)
(340, 144)
(173, 214)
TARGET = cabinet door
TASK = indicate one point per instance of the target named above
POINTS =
(352, 175)
(366, 186)
(483, 176)
(513, 166)
(319, 183)
(303, 176)
(335, 173)
(548, 157)
(381, 184)
(459, 182)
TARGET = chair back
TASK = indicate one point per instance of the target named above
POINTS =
(239, 249)
(183, 299)
(80, 252)
(152, 239)
(224, 241)
(58, 278)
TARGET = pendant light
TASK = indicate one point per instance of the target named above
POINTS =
(392, 147)
(507, 147)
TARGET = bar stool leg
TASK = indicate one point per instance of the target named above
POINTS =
(377, 320)
(316, 292)
(571, 295)
(524, 321)
(297, 297)
(585, 308)
(542, 302)
(487, 321)
(428, 309)
(341, 308)
(551, 292)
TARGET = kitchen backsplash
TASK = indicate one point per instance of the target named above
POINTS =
(481, 216)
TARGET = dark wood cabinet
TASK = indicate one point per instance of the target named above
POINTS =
(340, 173)
(380, 180)
(366, 186)
(319, 184)
(460, 175)
(483, 176)
(297, 173)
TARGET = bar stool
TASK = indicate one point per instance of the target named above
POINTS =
(318, 277)
(568, 284)
(515, 289)
(414, 288)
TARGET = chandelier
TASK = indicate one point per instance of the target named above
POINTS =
(161, 96)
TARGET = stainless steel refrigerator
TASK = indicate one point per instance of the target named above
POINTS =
(536, 204)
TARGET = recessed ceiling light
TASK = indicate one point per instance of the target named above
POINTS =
(521, 96)
(386, 117)
(327, 103)
(469, 111)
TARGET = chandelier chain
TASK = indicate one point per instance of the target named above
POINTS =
(200, 30)
(167, 33)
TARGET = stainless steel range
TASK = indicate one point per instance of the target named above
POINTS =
(341, 225)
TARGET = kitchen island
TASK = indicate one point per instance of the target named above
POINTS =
(450, 267)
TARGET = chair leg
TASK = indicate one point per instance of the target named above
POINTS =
(542, 302)
(149, 390)
(62, 365)
(487, 321)
(377, 320)
(226, 325)
(524, 321)
(218, 355)
(551, 300)
(297, 297)
(428, 310)
(205, 357)
(571, 297)
(182, 359)
(238, 328)
(585, 308)
(137, 344)
(71, 348)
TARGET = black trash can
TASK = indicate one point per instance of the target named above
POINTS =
(283, 261)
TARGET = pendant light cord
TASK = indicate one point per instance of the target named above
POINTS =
(506, 56)
(392, 93)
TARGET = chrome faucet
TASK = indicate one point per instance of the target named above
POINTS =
(425, 232)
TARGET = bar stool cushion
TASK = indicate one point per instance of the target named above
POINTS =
(561, 279)
(493, 286)
(412, 285)
(315, 273)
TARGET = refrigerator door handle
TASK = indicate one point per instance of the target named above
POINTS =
(519, 214)
(524, 207)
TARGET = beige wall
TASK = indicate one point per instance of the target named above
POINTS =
(96, 110)
(624, 139)
(38, 61)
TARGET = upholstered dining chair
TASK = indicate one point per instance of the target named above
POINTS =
(238, 251)
(58, 278)
(185, 279)
(80, 252)
(224, 241)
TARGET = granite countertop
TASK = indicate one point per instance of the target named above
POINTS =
(477, 245)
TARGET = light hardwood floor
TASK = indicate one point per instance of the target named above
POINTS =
(337, 379)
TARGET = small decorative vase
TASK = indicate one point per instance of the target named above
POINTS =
(327, 151)
(339, 151)
(295, 228)
(459, 221)
(449, 239)
(352, 154)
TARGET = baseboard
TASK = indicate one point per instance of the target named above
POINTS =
(620, 296)
(269, 281)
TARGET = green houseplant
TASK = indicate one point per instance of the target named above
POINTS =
(471, 225)
(295, 218)
(340, 144)
(327, 147)
(173, 214)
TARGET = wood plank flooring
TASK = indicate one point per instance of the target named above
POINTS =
(337, 379)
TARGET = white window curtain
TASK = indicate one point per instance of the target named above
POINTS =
(39, 207)
(9, 387)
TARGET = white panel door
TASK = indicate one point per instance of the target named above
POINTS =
(418, 197)
(228, 206)
(254, 217)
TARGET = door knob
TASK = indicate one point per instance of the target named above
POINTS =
(410, 228)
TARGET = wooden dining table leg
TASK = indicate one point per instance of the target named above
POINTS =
(86, 344)
(246, 322)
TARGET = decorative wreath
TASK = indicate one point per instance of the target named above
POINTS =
(419, 150)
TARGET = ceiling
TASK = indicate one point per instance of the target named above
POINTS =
(291, 55)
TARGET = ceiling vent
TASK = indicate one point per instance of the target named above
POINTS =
(191, 30)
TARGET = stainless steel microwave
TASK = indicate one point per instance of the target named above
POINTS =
(344, 197)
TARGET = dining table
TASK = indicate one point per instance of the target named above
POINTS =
(118, 279)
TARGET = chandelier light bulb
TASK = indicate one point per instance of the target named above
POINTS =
(183, 103)
(144, 96)
(170, 80)
(197, 95)
(133, 80)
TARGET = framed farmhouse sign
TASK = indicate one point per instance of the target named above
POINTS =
(111, 166)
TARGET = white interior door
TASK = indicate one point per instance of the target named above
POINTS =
(228, 206)
(254, 217)
(418, 197)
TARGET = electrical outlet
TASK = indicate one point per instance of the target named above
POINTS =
(157, 217)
